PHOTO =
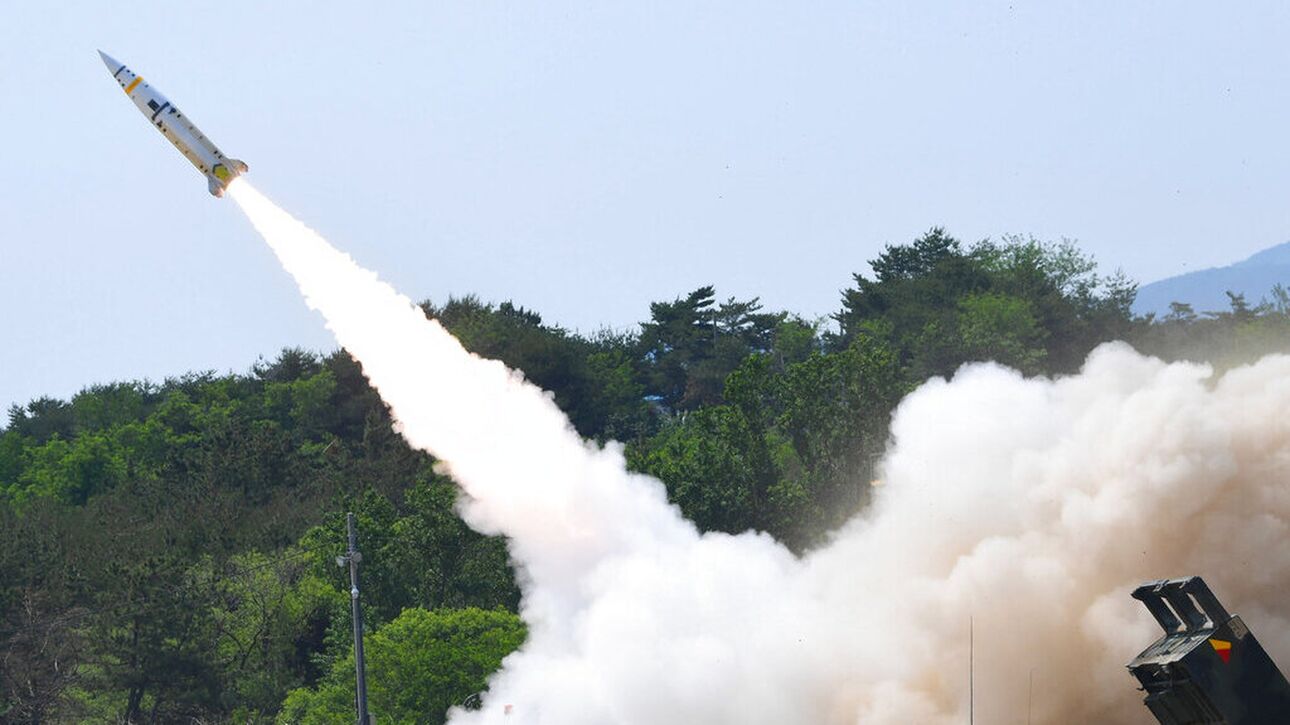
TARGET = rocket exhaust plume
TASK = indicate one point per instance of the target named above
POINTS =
(1030, 506)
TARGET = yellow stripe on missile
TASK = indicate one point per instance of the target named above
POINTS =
(137, 80)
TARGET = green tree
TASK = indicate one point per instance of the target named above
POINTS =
(678, 337)
(419, 665)
(42, 419)
(716, 467)
(151, 640)
(998, 327)
(13, 461)
(833, 409)
(691, 344)
(269, 616)
(915, 287)
(417, 554)
(550, 357)
(1180, 312)
(440, 561)
(1036, 305)
(792, 451)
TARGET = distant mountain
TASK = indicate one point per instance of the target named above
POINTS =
(1206, 289)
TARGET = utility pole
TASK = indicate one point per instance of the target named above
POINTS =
(971, 672)
(1030, 695)
(351, 558)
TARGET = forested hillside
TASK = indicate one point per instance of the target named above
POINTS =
(167, 549)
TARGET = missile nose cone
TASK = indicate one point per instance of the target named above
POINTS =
(112, 65)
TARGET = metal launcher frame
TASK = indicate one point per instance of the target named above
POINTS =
(1207, 668)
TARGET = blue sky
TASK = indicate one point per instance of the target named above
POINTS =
(585, 158)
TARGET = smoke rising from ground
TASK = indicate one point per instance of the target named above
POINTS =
(1031, 506)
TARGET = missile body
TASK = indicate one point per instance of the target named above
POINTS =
(218, 169)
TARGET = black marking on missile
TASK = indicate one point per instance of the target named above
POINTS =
(159, 110)
(118, 71)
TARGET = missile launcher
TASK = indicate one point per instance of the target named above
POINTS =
(1208, 668)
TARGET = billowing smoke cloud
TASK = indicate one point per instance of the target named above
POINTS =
(1031, 507)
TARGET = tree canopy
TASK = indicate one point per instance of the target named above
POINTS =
(167, 548)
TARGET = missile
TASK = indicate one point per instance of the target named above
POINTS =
(218, 169)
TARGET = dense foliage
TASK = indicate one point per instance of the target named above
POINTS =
(419, 665)
(166, 550)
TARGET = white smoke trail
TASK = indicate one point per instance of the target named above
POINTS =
(1033, 506)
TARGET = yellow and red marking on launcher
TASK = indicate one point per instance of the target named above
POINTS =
(1223, 648)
